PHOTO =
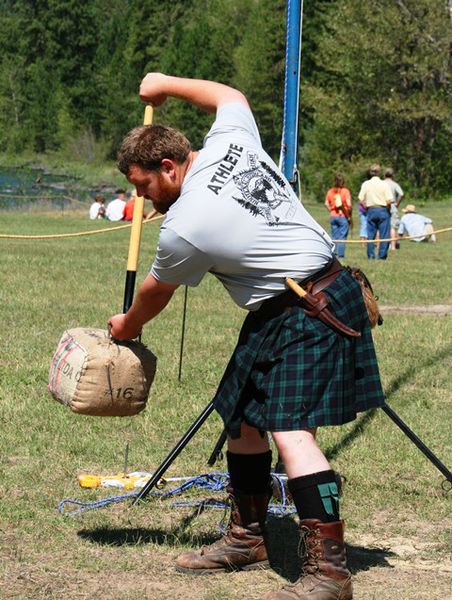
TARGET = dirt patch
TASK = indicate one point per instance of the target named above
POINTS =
(434, 309)
(383, 569)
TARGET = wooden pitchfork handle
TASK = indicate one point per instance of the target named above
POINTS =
(135, 234)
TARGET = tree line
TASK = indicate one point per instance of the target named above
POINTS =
(375, 78)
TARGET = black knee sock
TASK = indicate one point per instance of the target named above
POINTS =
(316, 496)
(250, 473)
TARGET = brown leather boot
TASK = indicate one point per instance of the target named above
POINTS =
(242, 547)
(325, 574)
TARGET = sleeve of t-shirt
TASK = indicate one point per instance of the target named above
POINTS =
(362, 193)
(399, 191)
(179, 262)
(234, 121)
(388, 193)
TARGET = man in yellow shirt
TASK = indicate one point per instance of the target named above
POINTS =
(376, 196)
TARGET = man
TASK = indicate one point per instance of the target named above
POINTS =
(397, 197)
(115, 210)
(229, 211)
(376, 197)
(130, 207)
(414, 224)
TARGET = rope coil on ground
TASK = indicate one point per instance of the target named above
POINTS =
(215, 482)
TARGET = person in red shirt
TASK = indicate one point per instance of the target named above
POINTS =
(338, 202)
(129, 208)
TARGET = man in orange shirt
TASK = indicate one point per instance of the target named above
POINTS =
(338, 202)
(130, 206)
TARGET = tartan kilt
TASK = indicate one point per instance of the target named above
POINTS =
(292, 372)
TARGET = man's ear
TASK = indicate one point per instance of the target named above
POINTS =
(168, 166)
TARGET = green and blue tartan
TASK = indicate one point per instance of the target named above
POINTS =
(290, 371)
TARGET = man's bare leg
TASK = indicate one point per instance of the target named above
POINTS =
(312, 484)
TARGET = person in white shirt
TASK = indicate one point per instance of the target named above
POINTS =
(97, 208)
(115, 210)
(413, 223)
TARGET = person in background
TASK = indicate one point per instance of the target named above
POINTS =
(413, 223)
(130, 206)
(362, 221)
(115, 209)
(338, 202)
(230, 211)
(376, 196)
(397, 197)
(97, 208)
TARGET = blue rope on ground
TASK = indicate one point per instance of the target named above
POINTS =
(214, 482)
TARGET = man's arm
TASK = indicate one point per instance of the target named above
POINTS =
(152, 297)
(207, 95)
(362, 196)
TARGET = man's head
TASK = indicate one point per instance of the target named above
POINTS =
(99, 199)
(374, 170)
(410, 208)
(389, 173)
(152, 157)
(120, 193)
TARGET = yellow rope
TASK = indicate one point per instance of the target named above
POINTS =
(77, 234)
(55, 196)
(396, 239)
(117, 228)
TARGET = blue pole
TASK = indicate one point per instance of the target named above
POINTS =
(289, 143)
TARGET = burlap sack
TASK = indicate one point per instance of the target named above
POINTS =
(95, 376)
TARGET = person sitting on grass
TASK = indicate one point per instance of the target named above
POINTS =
(414, 224)
(115, 209)
(97, 208)
(130, 207)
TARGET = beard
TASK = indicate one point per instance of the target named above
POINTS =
(168, 194)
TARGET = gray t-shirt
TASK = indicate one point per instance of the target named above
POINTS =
(238, 218)
(396, 190)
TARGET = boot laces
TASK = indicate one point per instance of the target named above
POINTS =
(307, 550)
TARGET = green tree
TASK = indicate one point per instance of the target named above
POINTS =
(260, 65)
(201, 46)
(383, 93)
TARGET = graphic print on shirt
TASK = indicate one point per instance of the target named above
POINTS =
(264, 192)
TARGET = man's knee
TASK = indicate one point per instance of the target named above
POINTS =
(251, 441)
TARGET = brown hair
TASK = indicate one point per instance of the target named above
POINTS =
(147, 146)
(338, 180)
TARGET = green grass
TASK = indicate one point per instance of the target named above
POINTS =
(393, 494)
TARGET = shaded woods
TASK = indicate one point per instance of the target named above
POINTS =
(374, 85)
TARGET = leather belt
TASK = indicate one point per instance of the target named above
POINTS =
(313, 284)
(314, 302)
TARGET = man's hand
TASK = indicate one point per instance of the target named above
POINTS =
(152, 297)
(151, 88)
(120, 329)
(206, 95)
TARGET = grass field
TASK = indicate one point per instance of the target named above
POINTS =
(397, 514)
